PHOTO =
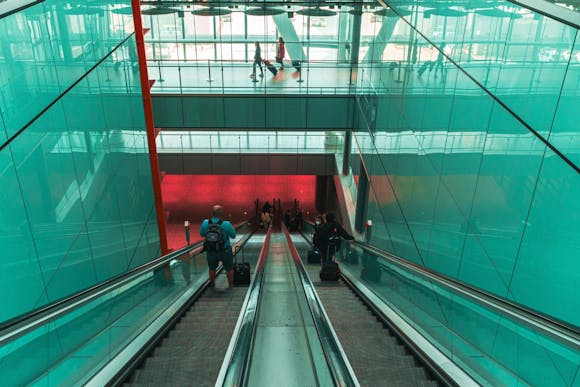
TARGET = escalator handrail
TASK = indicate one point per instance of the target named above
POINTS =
(558, 330)
(19, 326)
(238, 357)
(336, 359)
(113, 375)
(443, 375)
(565, 333)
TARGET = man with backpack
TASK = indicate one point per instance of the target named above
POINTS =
(217, 233)
(328, 237)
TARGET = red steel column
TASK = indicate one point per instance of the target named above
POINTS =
(148, 108)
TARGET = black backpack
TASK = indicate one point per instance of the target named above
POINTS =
(214, 240)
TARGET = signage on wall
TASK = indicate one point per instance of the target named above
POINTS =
(8, 7)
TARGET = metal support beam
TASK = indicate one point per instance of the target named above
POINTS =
(346, 152)
(361, 199)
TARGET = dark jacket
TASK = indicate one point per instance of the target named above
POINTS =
(321, 237)
(258, 53)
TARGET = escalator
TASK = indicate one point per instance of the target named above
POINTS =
(193, 351)
(281, 332)
(377, 355)
(95, 336)
(182, 333)
(286, 343)
(252, 333)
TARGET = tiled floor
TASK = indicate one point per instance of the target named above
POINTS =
(375, 78)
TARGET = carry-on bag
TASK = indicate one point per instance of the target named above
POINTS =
(271, 67)
(297, 64)
(330, 271)
(242, 275)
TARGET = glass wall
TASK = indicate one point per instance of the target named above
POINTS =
(473, 159)
(468, 178)
(184, 36)
(76, 205)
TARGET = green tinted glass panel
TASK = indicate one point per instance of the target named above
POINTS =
(78, 199)
(547, 262)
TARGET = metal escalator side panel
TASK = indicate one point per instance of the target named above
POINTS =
(337, 361)
(236, 360)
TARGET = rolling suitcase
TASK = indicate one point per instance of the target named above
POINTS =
(424, 67)
(242, 275)
(297, 64)
(329, 271)
(271, 67)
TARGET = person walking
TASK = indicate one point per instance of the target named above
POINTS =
(266, 207)
(257, 61)
(439, 62)
(266, 219)
(217, 234)
(280, 52)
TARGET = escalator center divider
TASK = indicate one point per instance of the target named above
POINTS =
(236, 362)
(338, 364)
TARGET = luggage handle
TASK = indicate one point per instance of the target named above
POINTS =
(237, 248)
(329, 258)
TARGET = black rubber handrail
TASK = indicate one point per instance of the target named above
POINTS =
(64, 93)
(566, 333)
(424, 358)
(18, 326)
(137, 358)
(239, 361)
(20, 8)
(340, 370)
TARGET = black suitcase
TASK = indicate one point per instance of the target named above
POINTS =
(242, 275)
(329, 271)
(424, 67)
(314, 256)
(270, 67)
(297, 64)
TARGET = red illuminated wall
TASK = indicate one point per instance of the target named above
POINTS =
(192, 196)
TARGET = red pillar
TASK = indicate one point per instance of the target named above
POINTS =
(148, 108)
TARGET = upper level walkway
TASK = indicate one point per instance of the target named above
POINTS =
(380, 78)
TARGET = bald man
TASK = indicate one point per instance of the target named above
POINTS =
(221, 250)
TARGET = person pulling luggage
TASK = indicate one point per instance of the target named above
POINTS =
(217, 233)
(257, 61)
(280, 52)
(328, 237)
